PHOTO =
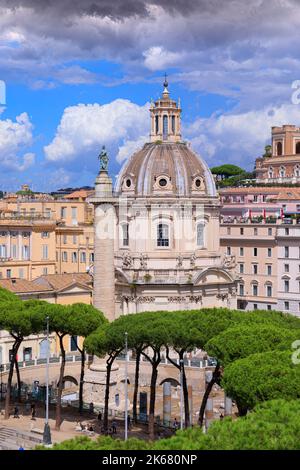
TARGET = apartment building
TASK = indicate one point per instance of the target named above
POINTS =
(253, 245)
(40, 235)
(267, 257)
(288, 259)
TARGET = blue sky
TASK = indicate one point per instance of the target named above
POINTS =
(81, 74)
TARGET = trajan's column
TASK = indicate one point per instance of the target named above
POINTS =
(104, 274)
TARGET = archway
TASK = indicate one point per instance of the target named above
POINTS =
(173, 382)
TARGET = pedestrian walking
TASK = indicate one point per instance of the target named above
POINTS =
(99, 417)
(114, 427)
(128, 422)
(16, 412)
(33, 411)
(91, 408)
(175, 424)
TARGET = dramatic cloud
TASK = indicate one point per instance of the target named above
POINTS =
(15, 137)
(83, 129)
(244, 50)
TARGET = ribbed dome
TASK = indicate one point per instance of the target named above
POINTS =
(163, 169)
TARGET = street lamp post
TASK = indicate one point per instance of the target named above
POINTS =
(47, 432)
(126, 386)
(1, 369)
(181, 393)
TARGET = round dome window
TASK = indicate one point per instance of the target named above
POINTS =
(128, 183)
(163, 182)
(198, 183)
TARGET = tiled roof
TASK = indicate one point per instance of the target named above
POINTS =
(20, 286)
(80, 194)
(288, 194)
(255, 189)
(49, 283)
(61, 281)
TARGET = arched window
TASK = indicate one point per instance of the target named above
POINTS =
(162, 235)
(279, 148)
(282, 172)
(173, 124)
(298, 148)
(271, 172)
(165, 127)
(156, 125)
(200, 234)
(125, 234)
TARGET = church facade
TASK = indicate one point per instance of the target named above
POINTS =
(157, 231)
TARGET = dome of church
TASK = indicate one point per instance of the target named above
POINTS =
(165, 169)
(165, 166)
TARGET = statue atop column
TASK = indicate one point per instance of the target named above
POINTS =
(104, 159)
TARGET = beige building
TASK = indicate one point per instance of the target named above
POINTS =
(40, 236)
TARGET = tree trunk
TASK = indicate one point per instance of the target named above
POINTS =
(185, 388)
(82, 352)
(60, 383)
(9, 379)
(242, 409)
(152, 401)
(185, 399)
(136, 386)
(109, 363)
(18, 379)
(214, 379)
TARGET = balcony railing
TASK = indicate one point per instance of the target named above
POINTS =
(28, 216)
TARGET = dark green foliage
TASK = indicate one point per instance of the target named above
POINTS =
(7, 296)
(261, 377)
(274, 425)
(242, 341)
(227, 170)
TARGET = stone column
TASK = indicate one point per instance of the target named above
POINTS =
(190, 391)
(104, 233)
(209, 413)
(167, 402)
(228, 405)
(104, 283)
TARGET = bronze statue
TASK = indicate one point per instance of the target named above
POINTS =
(104, 159)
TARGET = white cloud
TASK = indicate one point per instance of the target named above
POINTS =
(158, 58)
(238, 138)
(83, 129)
(15, 136)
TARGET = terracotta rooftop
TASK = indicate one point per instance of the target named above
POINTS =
(288, 194)
(80, 194)
(257, 189)
(49, 283)
(62, 281)
(20, 286)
